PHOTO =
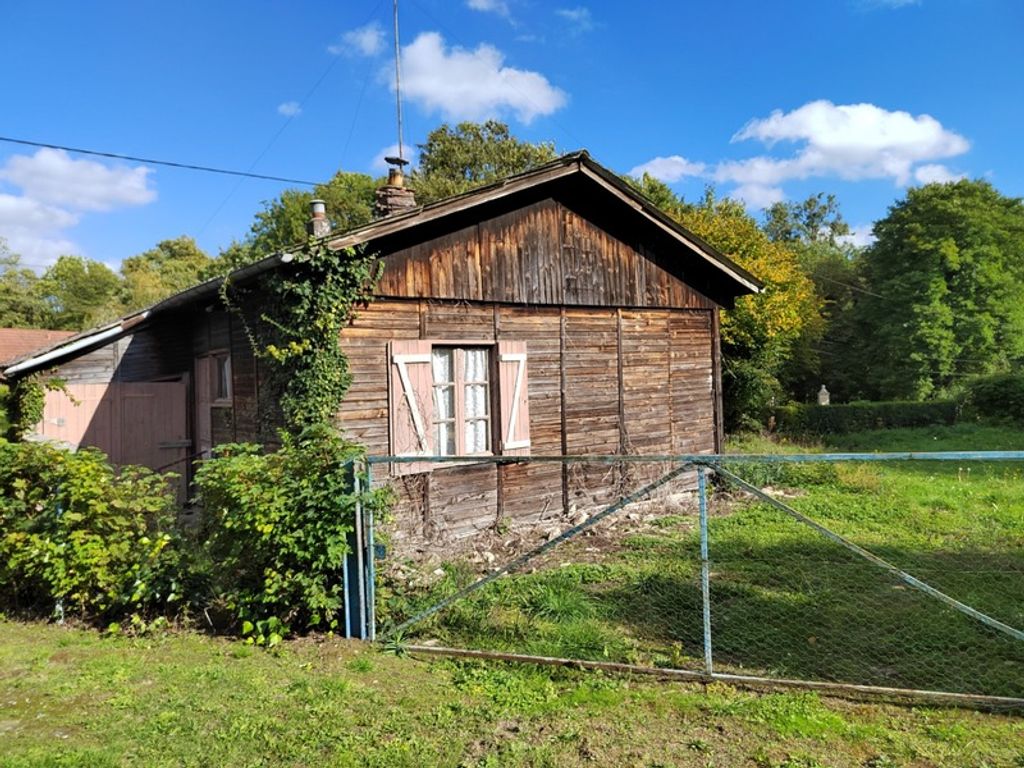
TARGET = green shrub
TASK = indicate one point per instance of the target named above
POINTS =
(276, 527)
(76, 534)
(749, 392)
(4, 422)
(999, 396)
(818, 420)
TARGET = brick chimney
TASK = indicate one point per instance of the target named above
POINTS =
(394, 197)
(318, 224)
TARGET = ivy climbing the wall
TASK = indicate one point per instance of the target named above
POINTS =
(278, 524)
(24, 400)
(293, 317)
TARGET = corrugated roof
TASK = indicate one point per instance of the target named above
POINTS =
(19, 342)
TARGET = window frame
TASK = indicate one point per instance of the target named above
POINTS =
(460, 419)
(412, 406)
(220, 363)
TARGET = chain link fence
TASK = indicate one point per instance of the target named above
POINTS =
(900, 574)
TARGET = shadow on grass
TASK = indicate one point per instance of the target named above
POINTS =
(795, 607)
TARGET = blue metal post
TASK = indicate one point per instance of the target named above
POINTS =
(360, 551)
(705, 576)
(371, 566)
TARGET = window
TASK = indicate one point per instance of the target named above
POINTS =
(462, 394)
(219, 368)
(450, 399)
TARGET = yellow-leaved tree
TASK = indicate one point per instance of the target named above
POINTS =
(759, 334)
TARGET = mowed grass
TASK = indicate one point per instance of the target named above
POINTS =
(71, 697)
(786, 601)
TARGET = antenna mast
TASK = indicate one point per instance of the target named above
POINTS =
(398, 84)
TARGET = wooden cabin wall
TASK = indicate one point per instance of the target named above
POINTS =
(600, 381)
(544, 253)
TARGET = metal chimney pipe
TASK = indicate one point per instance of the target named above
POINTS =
(318, 225)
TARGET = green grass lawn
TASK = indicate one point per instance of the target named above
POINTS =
(784, 602)
(73, 698)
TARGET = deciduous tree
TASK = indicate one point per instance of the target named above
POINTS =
(471, 155)
(171, 266)
(945, 282)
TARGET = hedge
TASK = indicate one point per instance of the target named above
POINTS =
(800, 419)
(999, 396)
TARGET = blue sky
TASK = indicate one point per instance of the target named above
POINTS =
(765, 100)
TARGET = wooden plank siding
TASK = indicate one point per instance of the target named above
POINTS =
(662, 357)
(543, 253)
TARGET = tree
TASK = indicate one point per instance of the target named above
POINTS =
(172, 266)
(20, 304)
(659, 193)
(760, 333)
(78, 293)
(814, 220)
(813, 229)
(945, 291)
(348, 198)
(471, 155)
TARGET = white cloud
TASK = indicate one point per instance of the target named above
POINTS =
(52, 176)
(289, 109)
(55, 191)
(367, 40)
(499, 7)
(380, 165)
(579, 17)
(33, 229)
(860, 236)
(851, 141)
(936, 173)
(473, 85)
(669, 169)
(757, 196)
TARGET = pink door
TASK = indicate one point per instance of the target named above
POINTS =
(142, 423)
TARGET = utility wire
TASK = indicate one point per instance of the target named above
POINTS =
(852, 287)
(277, 135)
(151, 161)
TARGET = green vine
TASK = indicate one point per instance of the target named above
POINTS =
(293, 317)
(25, 401)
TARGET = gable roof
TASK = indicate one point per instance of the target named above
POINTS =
(19, 342)
(577, 165)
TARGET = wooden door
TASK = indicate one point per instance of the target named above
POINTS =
(154, 428)
(142, 423)
(204, 398)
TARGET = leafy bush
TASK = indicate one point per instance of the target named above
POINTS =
(4, 422)
(277, 524)
(817, 420)
(999, 396)
(750, 390)
(76, 534)
(786, 475)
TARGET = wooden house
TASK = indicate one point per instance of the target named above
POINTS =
(555, 313)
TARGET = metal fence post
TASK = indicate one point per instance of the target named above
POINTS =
(371, 565)
(705, 580)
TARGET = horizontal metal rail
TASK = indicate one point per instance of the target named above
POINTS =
(980, 701)
(712, 459)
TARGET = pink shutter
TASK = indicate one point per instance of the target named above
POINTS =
(513, 394)
(411, 402)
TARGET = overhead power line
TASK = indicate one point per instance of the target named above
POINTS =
(168, 163)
